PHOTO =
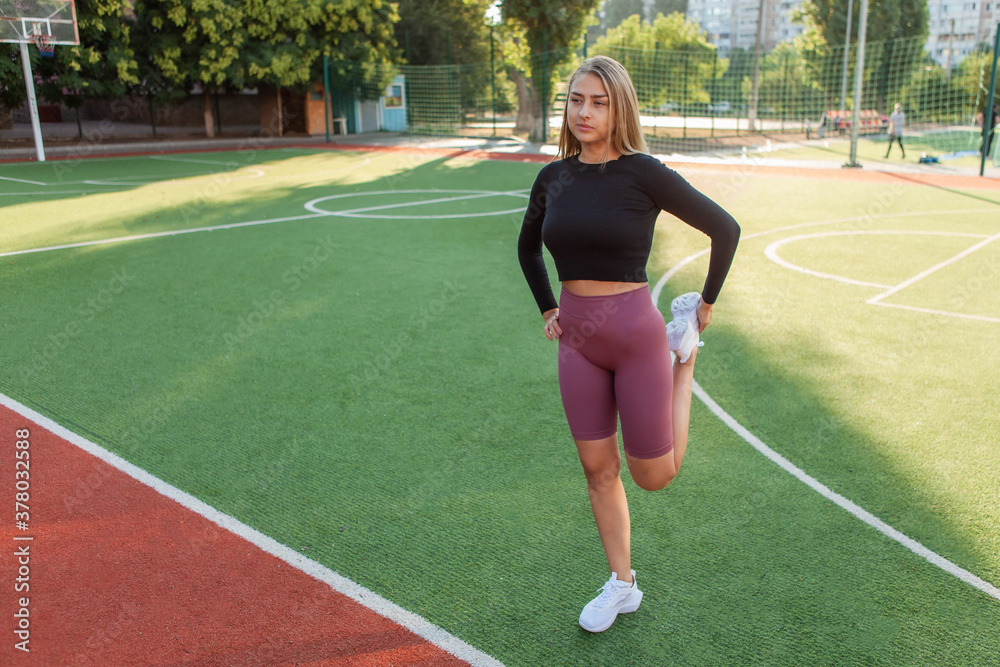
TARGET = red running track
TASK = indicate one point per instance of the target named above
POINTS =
(118, 574)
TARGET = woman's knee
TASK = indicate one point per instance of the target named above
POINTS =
(655, 482)
(604, 476)
(653, 474)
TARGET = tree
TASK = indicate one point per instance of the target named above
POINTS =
(12, 91)
(616, 11)
(198, 42)
(668, 7)
(153, 87)
(231, 44)
(887, 19)
(443, 32)
(101, 67)
(900, 27)
(551, 29)
(669, 60)
(786, 88)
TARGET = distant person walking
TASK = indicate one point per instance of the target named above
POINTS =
(896, 121)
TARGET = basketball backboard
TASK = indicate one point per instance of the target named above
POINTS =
(24, 21)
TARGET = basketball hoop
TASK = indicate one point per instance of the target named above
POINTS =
(45, 45)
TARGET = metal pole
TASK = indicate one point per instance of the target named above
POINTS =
(326, 94)
(545, 102)
(847, 51)
(29, 83)
(755, 89)
(784, 93)
(951, 50)
(988, 114)
(859, 75)
(715, 68)
(493, 82)
(684, 104)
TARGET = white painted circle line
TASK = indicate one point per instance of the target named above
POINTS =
(841, 501)
(811, 482)
(771, 251)
(458, 195)
(315, 213)
(380, 605)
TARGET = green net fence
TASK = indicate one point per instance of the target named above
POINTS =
(692, 102)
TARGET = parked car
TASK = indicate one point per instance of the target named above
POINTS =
(720, 107)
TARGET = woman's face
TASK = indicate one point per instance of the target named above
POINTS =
(589, 110)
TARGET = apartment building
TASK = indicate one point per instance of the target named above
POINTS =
(732, 24)
(957, 26)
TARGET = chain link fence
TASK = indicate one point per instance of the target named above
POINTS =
(693, 102)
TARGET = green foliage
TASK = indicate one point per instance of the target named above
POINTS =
(616, 11)
(560, 23)
(102, 66)
(12, 92)
(237, 43)
(786, 87)
(934, 96)
(453, 35)
(552, 29)
(443, 32)
(897, 25)
(668, 7)
(197, 42)
(887, 19)
(669, 61)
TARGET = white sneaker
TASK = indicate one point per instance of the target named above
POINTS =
(682, 331)
(616, 597)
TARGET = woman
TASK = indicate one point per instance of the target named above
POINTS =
(595, 209)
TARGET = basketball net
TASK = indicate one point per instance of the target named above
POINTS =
(44, 43)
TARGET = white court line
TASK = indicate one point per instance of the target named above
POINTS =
(21, 180)
(356, 213)
(859, 512)
(319, 213)
(814, 484)
(130, 181)
(170, 158)
(836, 221)
(931, 311)
(155, 235)
(380, 605)
(53, 192)
(771, 252)
(252, 174)
(923, 274)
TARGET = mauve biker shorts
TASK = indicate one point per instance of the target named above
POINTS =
(614, 360)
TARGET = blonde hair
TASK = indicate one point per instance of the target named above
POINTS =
(626, 130)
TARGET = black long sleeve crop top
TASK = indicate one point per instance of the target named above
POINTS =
(598, 223)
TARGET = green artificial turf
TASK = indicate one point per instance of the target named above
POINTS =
(376, 393)
(951, 149)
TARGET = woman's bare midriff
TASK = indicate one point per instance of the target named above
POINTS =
(599, 287)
